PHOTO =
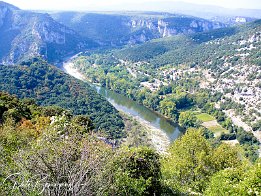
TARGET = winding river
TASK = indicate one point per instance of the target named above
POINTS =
(163, 131)
(138, 111)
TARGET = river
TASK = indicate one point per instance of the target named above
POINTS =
(163, 131)
(136, 110)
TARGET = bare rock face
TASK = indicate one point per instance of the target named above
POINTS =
(174, 25)
(118, 30)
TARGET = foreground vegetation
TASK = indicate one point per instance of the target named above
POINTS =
(48, 151)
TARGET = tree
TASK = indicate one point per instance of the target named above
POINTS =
(188, 119)
(244, 180)
(225, 156)
(61, 163)
(152, 101)
(85, 122)
(257, 126)
(136, 171)
(168, 108)
(188, 165)
(191, 161)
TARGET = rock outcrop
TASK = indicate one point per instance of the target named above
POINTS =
(175, 25)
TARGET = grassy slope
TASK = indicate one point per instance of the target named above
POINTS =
(205, 117)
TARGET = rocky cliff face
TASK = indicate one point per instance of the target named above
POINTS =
(175, 25)
(26, 34)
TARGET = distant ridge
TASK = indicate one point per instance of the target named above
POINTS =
(199, 10)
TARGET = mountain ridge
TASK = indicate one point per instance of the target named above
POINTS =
(199, 10)
(54, 36)
(132, 28)
(25, 34)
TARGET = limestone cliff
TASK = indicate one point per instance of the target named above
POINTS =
(175, 25)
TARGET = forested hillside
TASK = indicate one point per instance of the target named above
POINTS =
(50, 86)
(202, 46)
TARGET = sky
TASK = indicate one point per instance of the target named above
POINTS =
(110, 4)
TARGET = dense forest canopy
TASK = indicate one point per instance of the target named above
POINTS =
(50, 86)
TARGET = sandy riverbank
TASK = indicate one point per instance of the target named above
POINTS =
(158, 139)
(68, 67)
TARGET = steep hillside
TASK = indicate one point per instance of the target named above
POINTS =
(25, 34)
(50, 86)
(131, 28)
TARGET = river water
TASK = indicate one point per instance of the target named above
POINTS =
(134, 109)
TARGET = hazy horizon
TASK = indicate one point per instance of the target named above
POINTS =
(123, 4)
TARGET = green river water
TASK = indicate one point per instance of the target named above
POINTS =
(134, 109)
